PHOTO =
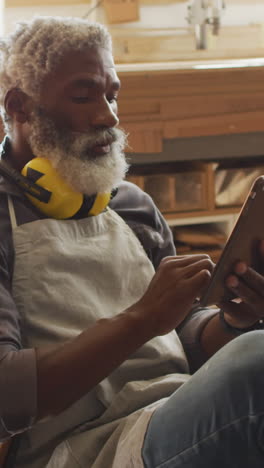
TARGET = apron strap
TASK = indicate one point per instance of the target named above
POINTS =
(12, 213)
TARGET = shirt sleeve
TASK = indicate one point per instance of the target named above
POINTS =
(18, 400)
(190, 332)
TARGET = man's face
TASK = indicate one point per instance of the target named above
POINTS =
(82, 93)
(74, 122)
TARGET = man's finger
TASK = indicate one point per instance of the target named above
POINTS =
(184, 260)
(249, 296)
(253, 279)
(199, 282)
(202, 264)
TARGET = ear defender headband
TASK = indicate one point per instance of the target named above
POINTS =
(50, 194)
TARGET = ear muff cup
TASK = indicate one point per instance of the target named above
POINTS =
(63, 202)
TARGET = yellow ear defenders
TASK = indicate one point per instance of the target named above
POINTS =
(63, 201)
(48, 192)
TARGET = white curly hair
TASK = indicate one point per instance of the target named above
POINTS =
(35, 48)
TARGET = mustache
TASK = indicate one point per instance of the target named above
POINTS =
(46, 135)
(93, 138)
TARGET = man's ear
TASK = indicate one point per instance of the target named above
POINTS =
(18, 105)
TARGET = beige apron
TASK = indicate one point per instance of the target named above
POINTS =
(67, 275)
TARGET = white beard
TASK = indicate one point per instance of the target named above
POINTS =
(69, 154)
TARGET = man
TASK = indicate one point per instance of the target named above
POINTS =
(92, 372)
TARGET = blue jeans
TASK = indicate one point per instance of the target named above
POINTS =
(216, 419)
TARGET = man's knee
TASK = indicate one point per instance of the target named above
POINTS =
(243, 358)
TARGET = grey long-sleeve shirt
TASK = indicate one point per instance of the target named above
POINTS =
(18, 387)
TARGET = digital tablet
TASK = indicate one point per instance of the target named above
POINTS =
(242, 244)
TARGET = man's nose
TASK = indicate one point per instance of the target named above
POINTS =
(105, 116)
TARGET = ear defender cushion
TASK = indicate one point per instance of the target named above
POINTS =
(64, 202)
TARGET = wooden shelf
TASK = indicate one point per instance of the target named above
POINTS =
(214, 214)
(223, 220)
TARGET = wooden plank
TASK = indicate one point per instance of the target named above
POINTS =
(36, 3)
(142, 109)
(22, 3)
(143, 126)
(190, 103)
(191, 82)
(121, 11)
(215, 125)
(189, 107)
(147, 137)
(191, 214)
(141, 44)
(154, 47)
(129, 51)
(193, 106)
(25, 3)
(144, 140)
(243, 2)
(160, 2)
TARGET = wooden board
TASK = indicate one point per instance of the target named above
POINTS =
(25, 3)
(250, 3)
(37, 3)
(121, 11)
(159, 45)
(169, 104)
(161, 2)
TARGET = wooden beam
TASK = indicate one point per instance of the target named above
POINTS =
(25, 3)
(169, 104)
(37, 3)
(161, 2)
(243, 2)
(158, 45)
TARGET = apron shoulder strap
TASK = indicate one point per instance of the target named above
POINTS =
(12, 213)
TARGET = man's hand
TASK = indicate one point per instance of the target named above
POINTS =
(103, 346)
(248, 285)
(170, 295)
